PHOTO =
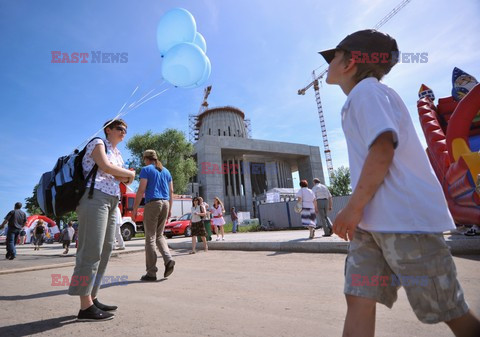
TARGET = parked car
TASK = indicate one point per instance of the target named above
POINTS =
(3, 236)
(180, 227)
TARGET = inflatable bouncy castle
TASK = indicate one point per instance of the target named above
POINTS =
(452, 132)
(52, 229)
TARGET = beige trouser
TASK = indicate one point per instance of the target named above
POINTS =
(154, 218)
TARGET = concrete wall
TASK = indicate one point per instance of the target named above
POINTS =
(280, 159)
(282, 216)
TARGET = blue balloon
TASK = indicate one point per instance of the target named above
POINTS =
(184, 65)
(200, 41)
(175, 26)
(205, 77)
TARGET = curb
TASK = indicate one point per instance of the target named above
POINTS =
(464, 246)
(291, 247)
(457, 247)
(48, 266)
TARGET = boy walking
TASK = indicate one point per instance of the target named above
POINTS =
(397, 212)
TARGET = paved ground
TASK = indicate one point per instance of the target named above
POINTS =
(50, 255)
(219, 293)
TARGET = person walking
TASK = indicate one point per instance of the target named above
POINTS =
(207, 223)
(16, 219)
(234, 217)
(309, 207)
(217, 217)
(198, 229)
(397, 213)
(157, 185)
(39, 234)
(324, 204)
(23, 234)
(67, 236)
(96, 220)
(120, 245)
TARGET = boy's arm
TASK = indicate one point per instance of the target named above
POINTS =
(375, 168)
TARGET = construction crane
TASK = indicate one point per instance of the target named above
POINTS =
(316, 88)
(193, 119)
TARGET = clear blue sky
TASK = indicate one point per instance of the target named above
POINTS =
(262, 52)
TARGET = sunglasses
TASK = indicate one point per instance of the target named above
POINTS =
(121, 128)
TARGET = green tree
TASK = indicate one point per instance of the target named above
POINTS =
(31, 203)
(173, 150)
(340, 184)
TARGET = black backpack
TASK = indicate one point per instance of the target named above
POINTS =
(60, 190)
(39, 230)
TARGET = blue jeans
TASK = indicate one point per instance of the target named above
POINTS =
(235, 224)
(12, 237)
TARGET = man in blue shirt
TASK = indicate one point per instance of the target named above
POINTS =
(156, 183)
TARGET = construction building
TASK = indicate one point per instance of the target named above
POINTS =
(237, 168)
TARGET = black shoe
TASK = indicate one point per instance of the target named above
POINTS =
(148, 278)
(327, 235)
(11, 257)
(104, 307)
(93, 314)
(169, 268)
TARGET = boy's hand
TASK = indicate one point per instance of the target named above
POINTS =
(346, 223)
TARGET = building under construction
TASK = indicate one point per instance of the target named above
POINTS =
(237, 168)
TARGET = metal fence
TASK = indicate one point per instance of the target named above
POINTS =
(279, 215)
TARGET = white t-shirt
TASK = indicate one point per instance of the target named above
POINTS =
(321, 191)
(307, 197)
(103, 181)
(410, 199)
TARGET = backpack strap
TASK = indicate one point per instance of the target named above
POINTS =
(93, 172)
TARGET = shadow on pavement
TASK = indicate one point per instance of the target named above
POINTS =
(279, 253)
(301, 240)
(31, 328)
(126, 283)
(32, 296)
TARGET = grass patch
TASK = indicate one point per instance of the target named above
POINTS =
(140, 235)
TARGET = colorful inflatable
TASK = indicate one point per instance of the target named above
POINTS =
(452, 132)
(52, 233)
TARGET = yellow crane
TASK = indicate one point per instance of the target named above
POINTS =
(316, 88)
(193, 119)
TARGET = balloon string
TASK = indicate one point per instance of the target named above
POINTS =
(155, 86)
(145, 101)
(117, 116)
(131, 107)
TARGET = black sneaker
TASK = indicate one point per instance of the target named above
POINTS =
(169, 268)
(104, 307)
(11, 257)
(148, 278)
(93, 314)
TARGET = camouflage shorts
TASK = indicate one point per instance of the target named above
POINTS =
(379, 263)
